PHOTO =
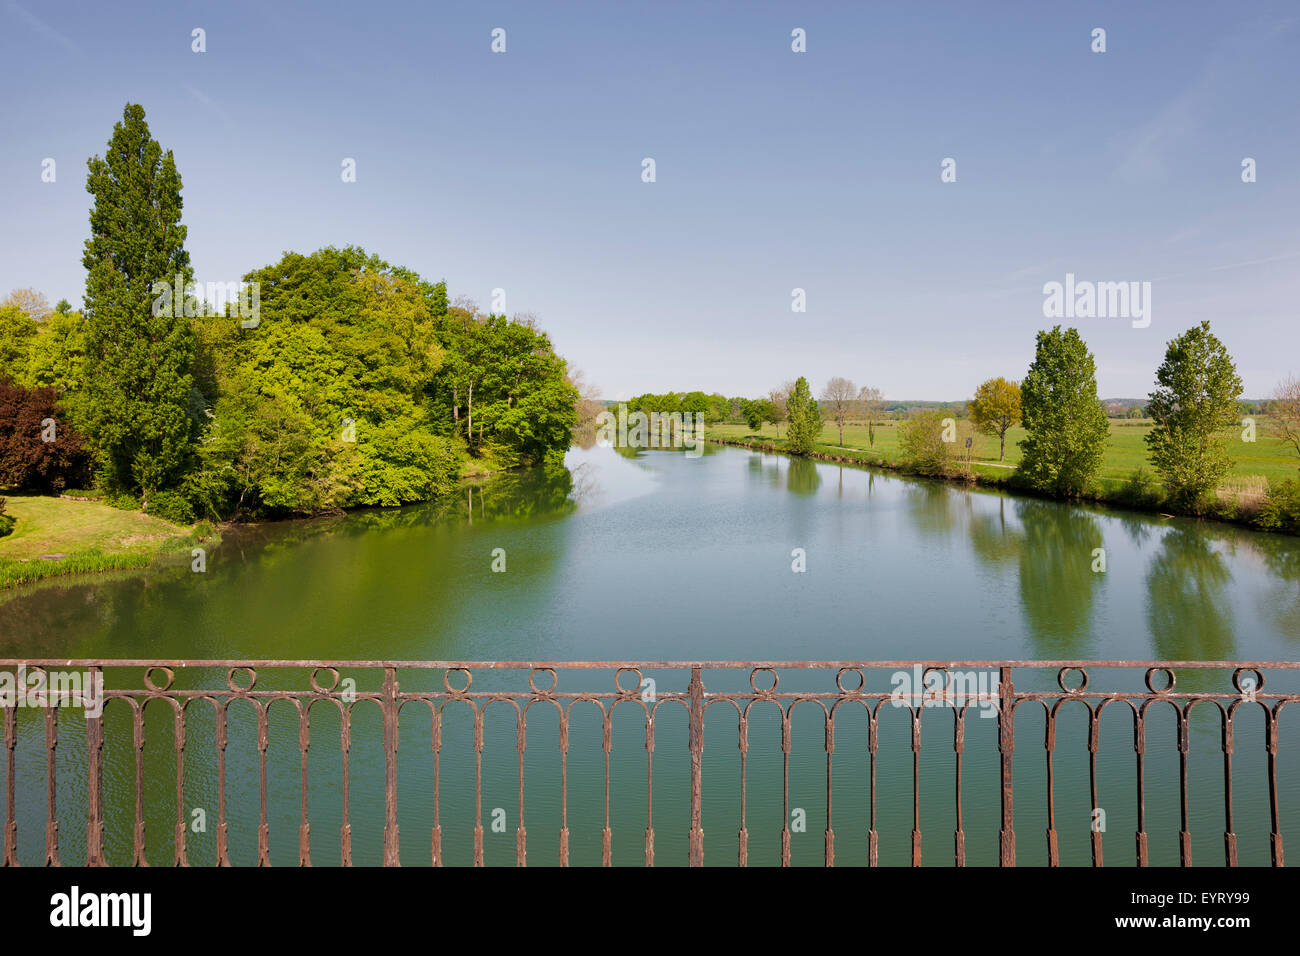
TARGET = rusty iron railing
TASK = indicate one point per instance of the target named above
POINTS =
(939, 686)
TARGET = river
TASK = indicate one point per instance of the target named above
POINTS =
(660, 556)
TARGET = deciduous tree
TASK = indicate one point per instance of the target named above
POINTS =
(1284, 412)
(996, 409)
(872, 401)
(30, 302)
(1195, 401)
(138, 364)
(39, 450)
(805, 419)
(840, 395)
(1066, 425)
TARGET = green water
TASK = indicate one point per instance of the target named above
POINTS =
(665, 557)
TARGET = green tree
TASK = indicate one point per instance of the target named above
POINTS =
(138, 410)
(1066, 425)
(996, 409)
(805, 419)
(758, 411)
(17, 334)
(343, 336)
(1196, 399)
(58, 353)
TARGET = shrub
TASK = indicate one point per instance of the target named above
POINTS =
(1281, 509)
(7, 522)
(1141, 489)
(89, 494)
(920, 440)
(170, 506)
(34, 454)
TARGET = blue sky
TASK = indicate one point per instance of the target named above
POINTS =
(775, 170)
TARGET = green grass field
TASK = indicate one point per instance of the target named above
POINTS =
(56, 536)
(1125, 452)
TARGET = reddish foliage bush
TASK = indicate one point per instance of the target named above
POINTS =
(38, 450)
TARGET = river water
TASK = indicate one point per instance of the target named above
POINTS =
(660, 556)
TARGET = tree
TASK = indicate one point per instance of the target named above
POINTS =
(38, 448)
(805, 419)
(758, 411)
(344, 336)
(1066, 425)
(872, 402)
(588, 405)
(920, 440)
(839, 396)
(779, 400)
(1196, 399)
(1284, 412)
(17, 333)
(139, 358)
(30, 302)
(58, 353)
(996, 409)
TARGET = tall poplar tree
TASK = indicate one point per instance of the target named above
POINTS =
(139, 365)
(1196, 402)
(1066, 426)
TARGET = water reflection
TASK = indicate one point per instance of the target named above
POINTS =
(930, 505)
(765, 469)
(1057, 583)
(1187, 599)
(802, 477)
(994, 541)
(319, 587)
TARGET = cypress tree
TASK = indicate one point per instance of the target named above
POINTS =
(140, 358)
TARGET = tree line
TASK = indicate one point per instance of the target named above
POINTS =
(357, 383)
(1195, 410)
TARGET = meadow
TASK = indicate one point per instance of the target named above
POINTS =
(57, 536)
(1126, 450)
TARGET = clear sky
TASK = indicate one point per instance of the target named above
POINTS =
(775, 170)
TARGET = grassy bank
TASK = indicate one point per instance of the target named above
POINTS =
(1254, 463)
(58, 536)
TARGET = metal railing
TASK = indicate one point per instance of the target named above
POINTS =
(941, 683)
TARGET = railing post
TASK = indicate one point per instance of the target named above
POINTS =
(11, 825)
(95, 783)
(1006, 747)
(390, 767)
(1275, 832)
(696, 739)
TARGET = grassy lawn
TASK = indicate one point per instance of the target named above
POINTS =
(56, 536)
(1125, 452)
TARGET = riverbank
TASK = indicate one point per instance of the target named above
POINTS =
(54, 536)
(1239, 502)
